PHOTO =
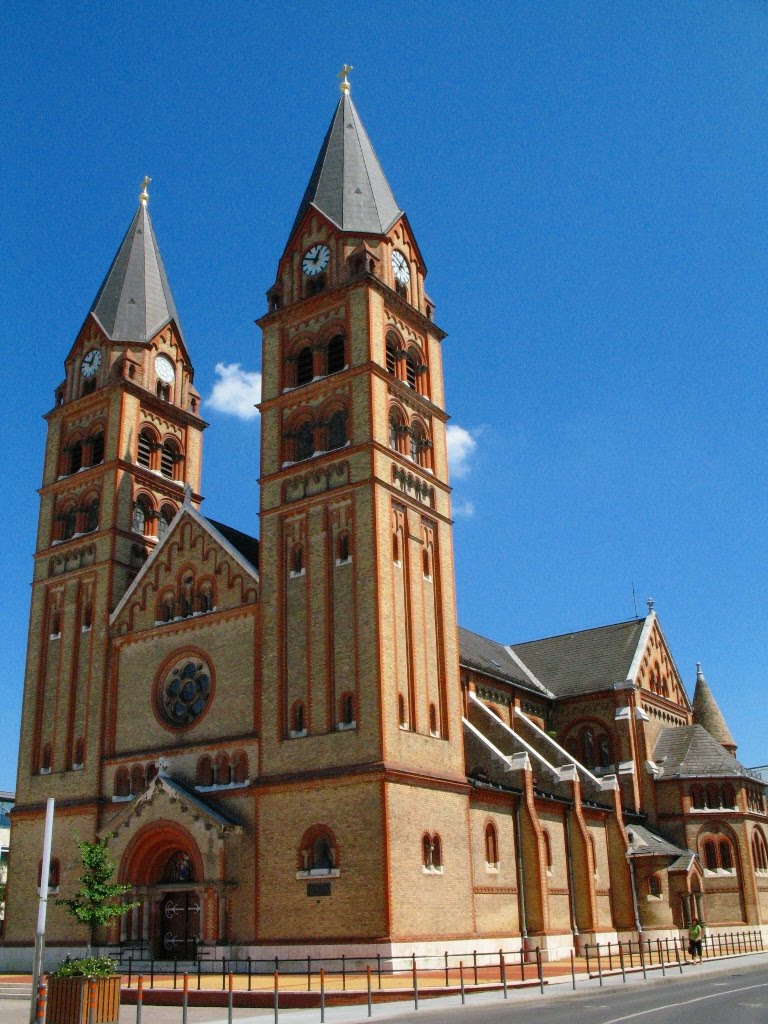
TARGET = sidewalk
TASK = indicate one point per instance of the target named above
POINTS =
(16, 1012)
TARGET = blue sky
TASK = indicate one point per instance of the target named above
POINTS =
(587, 184)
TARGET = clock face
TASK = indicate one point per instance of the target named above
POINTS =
(400, 267)
(164, 369)
(316, 260)
(91, 362)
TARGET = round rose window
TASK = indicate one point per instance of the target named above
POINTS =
(185, 692)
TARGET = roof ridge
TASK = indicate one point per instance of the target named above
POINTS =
(578, 632)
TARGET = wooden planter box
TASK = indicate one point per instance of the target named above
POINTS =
(68, 1000)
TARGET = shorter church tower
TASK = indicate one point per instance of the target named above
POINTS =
(124, 440)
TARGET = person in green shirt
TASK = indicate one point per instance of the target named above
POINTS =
(695, 936)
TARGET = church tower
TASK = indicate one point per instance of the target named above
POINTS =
(361, 740)
(124, 439)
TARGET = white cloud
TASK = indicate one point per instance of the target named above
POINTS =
(236, 392)
(461, 448)
(463, 510)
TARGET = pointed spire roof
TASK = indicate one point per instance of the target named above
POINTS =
(348, 184)
(135, 301)
(707, 714)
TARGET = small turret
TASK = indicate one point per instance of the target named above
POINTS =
(707, 714)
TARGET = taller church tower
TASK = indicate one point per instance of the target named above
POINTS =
(124, 439)
(361, 740)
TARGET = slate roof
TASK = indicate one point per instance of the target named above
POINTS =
(646, 842)
(494, 659)
(135, 301)
(348, 184)
(688, 751)
(242, 542)
(707, 713)
(583, 662)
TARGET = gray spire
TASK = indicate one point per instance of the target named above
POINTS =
(708, 714)
(348, 184)
(135, 301)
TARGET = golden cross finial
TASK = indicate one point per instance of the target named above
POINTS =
(345, 86)
(144, 195)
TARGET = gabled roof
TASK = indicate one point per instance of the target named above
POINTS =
(688, 751)
(583, 662)
(347, 184)
(707, 713)
(223, 535)
(135, 301)
(645, 843)
(494, 659)
(164, 785)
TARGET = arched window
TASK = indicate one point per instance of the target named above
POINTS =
(348, 708)
(413, 443)
(394, 431)
(146, 444)
(728, 796)
(426, 851)
(163, 391)
(297, 559)
(335, 354)
(710, 855)
(46, 759)
(726, 855)
(593, 848)
(713, 797)
(604, 751)
(318, 850)
(392, 355)
(169, 459)
(122, 782)
(401, 712)
(137, 779)
(92, 515)
(491, 846)
(166, 610)
(298, 720)
(304, 369)
(76, 457)
(167, 512)
(342, 547)
(759, 852)
(588, 747)
(547, 847)
(337, 430)
(437, 853)
(426, 564)
(141, 514)
(205, 771)
(433, 720)
(305, 442)
(69, 523)
(205, 598)
(697, 798)
(240, 767)
(151, 771)
(78, 757)
(654, 885)
(97, 449)
(410, 369)
(186, 598)
(396, 547)
(54, 874)
(322, 855)
(223, 769)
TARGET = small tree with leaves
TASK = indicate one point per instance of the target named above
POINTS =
(98, 899)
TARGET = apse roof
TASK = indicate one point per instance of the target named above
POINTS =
(582, 662)
(347, 183)
(707, 713)
(135, 301)
(688, 751)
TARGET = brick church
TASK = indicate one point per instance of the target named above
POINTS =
(292, 745)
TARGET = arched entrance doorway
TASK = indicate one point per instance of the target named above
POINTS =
(164, 864)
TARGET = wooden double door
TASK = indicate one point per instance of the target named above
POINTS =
(177, 931)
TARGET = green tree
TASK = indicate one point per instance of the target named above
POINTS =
(97, 900)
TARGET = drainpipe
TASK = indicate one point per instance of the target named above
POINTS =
(571, 890)
(520, 881)
(634, 895)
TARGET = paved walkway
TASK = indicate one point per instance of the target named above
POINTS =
(17, 1011)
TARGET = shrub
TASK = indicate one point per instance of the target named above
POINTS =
(87, 966)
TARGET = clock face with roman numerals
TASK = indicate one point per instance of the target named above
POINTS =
(400, 267)
(316, 260)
